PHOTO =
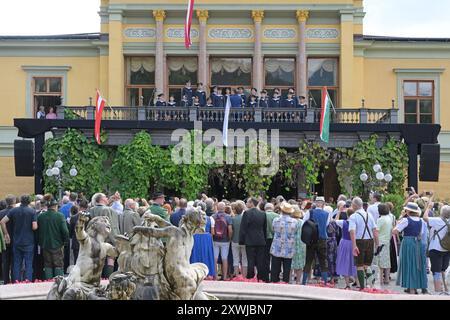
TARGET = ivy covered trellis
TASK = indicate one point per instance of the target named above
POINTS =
(138, 167)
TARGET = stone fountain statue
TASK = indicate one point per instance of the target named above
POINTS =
(148, 270)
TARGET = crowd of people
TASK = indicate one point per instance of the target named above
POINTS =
(301, 241)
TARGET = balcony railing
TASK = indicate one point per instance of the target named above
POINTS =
(208, 114)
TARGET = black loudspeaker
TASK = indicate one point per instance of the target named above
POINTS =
(24, 158)
(430, 158)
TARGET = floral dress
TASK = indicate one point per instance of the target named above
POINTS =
(332, 231)
(298, 260)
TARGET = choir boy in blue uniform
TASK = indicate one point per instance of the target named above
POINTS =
(263, 100)
(275, 102)
(196, 102)
(201, 94)
(289, 102)
(218, 99)
(292, 91)
(243, 96)
(172, 102)
(252, 103)
(185, 102)
(303, 105)
(161, 102)
(188, 92)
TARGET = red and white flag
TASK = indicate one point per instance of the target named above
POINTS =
(188, 23)
(99, 105)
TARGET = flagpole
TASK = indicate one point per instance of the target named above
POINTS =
(332, 104)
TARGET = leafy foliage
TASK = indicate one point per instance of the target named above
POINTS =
(312, 157)
(74, 148)
(392, 156)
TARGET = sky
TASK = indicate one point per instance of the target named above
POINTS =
(404, 18)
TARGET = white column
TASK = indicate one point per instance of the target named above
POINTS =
(202, 16)
(302, 77)
(258, 63)
(159, 54)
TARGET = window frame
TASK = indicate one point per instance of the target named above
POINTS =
(179, 87)
(245, 86)
(336, 87)
(270, 88)
(35, 94)
(419, 98)
(140, 87)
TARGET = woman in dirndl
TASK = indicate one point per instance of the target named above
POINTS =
(412, 274)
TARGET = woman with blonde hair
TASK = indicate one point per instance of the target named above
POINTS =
(298, 260)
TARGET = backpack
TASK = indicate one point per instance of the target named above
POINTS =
(445, 241)
(310, 231)
(221, 227)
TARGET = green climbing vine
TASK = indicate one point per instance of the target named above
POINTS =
(392, 156)
(312, 157)
(135, 166)
(74, 148)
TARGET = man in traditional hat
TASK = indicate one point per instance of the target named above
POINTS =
(282, 249)
(322, 220)
(156, 207)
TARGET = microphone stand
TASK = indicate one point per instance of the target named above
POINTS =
(151, 97)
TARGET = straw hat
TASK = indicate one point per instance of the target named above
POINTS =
(413, 207)
(287, 208)
(298, 213)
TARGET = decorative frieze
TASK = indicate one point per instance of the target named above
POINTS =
(280, 33)
(178, 33)
(322, 33)
(139, 33)
(230, 33)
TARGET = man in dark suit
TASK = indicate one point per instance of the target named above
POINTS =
(252, 234)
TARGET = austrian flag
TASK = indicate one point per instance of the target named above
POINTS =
(99, 105)
(188, 23)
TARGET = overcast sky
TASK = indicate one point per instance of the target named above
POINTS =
(413, 18)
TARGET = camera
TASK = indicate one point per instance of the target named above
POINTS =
(436, 206)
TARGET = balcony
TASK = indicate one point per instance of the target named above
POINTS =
(207, 114)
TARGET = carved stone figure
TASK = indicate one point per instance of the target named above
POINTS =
(183, 278)
(148, 270)
(86, 274)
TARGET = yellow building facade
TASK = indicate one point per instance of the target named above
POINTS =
(303, 44)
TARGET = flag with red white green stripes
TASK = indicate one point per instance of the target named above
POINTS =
(325, 116)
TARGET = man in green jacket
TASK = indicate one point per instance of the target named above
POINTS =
(53, 234)
(156, 208)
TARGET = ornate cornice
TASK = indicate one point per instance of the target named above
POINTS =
(159, 15)
(202, 15)
(257, 15)
(302, 15)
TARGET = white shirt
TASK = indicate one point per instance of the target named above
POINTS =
(437, 224)
(357, 223)
(404, 223)
(373, 210)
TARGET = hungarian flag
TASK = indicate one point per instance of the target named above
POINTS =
(99, 105)
(188, 23)
(325, 116)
